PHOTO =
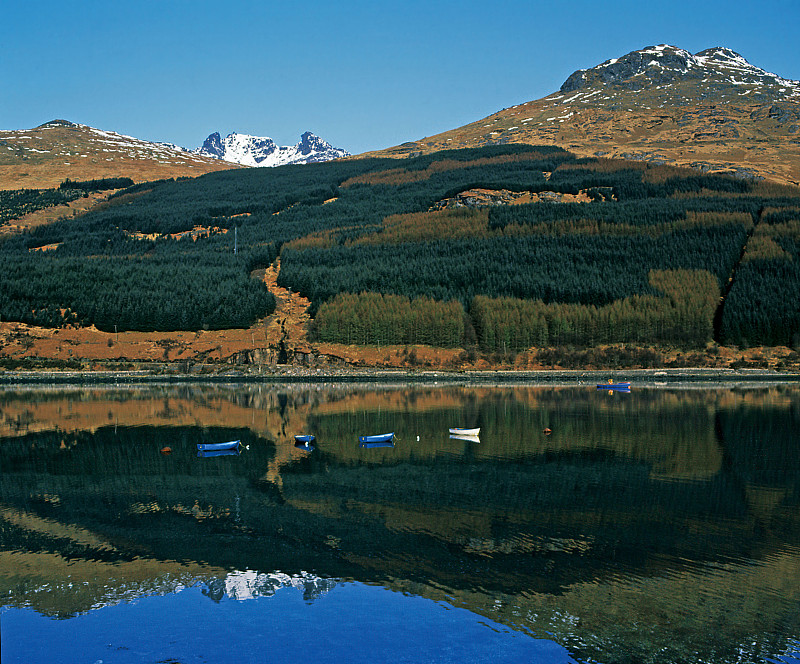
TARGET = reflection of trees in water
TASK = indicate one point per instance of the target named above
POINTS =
(676, 438)
(643, 511)
(763, 444)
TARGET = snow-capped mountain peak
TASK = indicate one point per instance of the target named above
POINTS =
(715, 74)
(263, 151)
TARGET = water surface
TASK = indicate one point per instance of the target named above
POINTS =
(661, 525)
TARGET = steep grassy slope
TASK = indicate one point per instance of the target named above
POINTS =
(712, 111)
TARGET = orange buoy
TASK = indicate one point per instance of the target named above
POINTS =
(166, 450)
(548, 431)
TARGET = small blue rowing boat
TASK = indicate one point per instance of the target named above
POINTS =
(217, 453)
(305, 442)
(217, 447)
(379, 438)
(613, 386)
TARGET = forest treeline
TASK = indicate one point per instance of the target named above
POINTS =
(362, 239)
(373, 318)
(763, 305)
(15, 203)
(100, 184)
(682, 313)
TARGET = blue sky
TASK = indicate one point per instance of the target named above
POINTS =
(363, 75)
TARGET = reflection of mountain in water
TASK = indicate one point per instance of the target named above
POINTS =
(250, 585)
(648, 510)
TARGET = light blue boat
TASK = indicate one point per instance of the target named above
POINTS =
(216, 447)
(305, 442)
(378, 438)
(217, 453)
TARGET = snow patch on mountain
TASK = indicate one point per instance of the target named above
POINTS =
(91, 139)
(263, 151)
(714, 72)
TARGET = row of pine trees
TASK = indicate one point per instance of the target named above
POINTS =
(683, 314)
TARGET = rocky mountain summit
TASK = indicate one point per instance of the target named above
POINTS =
(263, 151)
(671, 75)
(711, 110)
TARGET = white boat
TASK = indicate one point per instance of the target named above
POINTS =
(465, 432)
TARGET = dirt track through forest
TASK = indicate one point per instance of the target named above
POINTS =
(286, 329)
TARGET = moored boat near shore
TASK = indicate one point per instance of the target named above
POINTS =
(216, 447)
(233, 451)
(465, 432)
(377, 438)
(380, 443)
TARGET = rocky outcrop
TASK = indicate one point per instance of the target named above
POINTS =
(213, 147)
(477, 198)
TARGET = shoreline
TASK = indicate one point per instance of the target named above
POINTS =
(653, 377)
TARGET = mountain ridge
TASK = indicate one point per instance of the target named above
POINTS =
(709, 71)
(711, 110)
(46, 155)
(262, 151)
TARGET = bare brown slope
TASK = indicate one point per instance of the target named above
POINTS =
(745, 140)
(44, 157)
(710, 110)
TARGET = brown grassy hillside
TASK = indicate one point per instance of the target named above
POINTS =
(713, 111)
(45, 156)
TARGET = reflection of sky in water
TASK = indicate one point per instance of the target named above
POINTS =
(655, 526)
(793, 655)
(350, 623)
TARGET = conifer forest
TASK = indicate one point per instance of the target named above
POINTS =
(578, 252)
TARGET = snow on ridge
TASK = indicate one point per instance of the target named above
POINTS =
(262, 151)
(657, 51)
(250, 584)
(662, 48)
(671, 65)
(123, 141)
(731, 63)
(103, 140)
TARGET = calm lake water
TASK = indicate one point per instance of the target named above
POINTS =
(660, 525)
